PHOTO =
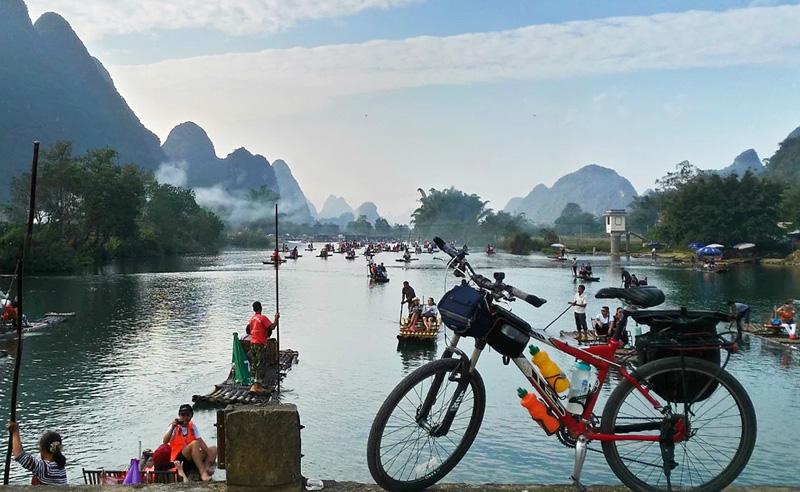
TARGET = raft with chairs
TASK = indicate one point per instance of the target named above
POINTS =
(586, 278)
(419, 333)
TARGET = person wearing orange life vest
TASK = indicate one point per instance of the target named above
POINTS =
(260, 330)
(189, 451)
(787, 313)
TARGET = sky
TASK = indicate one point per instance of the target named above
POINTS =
(372, 99)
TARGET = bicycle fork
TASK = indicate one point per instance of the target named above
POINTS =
(463, 377)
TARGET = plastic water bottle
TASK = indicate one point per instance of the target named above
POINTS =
(549, 369)
(579, 383)
(538, 411)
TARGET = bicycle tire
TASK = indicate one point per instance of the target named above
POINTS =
(725, 383)
(376, 435)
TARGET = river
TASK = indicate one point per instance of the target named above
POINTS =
(148, 335)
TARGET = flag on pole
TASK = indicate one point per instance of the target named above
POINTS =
(241, 366)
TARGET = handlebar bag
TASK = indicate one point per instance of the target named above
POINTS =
(464, 311)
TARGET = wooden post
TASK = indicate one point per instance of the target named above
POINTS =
(20, 271)
(220, 425)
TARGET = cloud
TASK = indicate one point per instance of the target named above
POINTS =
(95, 19)
(294, 80)
(173, 173)
(233, 208)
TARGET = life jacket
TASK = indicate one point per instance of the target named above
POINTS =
(179, 441)
(9, 312)
(785, 314)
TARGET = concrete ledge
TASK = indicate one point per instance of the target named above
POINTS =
(359, 487)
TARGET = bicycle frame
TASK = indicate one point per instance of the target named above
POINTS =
(602, 357)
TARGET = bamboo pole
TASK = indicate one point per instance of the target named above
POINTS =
(20, 273)
(277, 301)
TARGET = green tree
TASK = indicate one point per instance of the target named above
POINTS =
(574, 220)
(644, 212)
(361, 226)
(725, 210)
(382, 227)
(449, 213)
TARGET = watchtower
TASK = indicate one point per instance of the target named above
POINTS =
(616, 226)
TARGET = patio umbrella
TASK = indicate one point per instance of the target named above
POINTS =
(709, 251)
(715, 245)
(744, 246)
(557, 245)
(695, 246)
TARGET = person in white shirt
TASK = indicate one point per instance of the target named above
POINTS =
(602, 322)
(580, 314)
(429, 314)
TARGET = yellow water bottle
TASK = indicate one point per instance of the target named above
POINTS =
(549, 369)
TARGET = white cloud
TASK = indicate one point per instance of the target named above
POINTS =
(93, 19)
(293, 80)
(173, 173)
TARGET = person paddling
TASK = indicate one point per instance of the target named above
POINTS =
(48, 468)
(260, 330)
(579, 303)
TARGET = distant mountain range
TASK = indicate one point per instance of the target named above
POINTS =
(190, 146)
(746, 161)
(52, 89)
(594, 188)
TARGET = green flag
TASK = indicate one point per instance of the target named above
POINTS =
(241, 369)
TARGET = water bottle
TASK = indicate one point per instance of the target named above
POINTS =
(538, 411)
(549, 369)
(578, 387)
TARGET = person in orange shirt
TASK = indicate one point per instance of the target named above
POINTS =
(188, 450)
(261, 329)
(786, 313)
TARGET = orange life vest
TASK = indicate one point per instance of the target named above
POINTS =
(179, 441)
(9, 312)
(786, 313)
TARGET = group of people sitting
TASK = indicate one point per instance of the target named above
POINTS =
(182, 450)
(604, 324)
(629, 280)
(427, 314)
(784, 317)
(377, 270)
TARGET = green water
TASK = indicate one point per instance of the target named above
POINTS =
(150, 335)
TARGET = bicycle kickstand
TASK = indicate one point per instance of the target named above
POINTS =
(580, 458)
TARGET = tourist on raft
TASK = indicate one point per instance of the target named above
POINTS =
(414, 314)
(618, 323)
(574, 266)
(740, 310)
(602, 323)
(48, 468)
(276, 256)
(188, 450)
(260, 330)
(430, 314)
(579, 302)
(786, 314)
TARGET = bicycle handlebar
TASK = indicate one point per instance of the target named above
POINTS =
(496, 288)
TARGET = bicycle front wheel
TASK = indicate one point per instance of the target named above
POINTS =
(413, 444)
(715, 414)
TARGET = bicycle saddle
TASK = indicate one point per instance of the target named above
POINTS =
(641, 297)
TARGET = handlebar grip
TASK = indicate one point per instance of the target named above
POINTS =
(529, 298)
(444, 246)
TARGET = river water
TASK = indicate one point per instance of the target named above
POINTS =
(149, 335)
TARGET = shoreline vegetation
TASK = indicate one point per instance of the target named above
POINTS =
(92, 210)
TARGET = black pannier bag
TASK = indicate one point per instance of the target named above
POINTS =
(680, 333)
(464, 310)
(510, 334)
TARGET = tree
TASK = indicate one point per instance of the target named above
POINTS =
(360, 226)
(725, 210)
(574, 220)
(644, 212)
(382, 227)
(450, 213)
(683, 174)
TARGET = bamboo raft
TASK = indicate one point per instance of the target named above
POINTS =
(593, 340)
(49, 319)
(420, 334)
(229, 392)
(770, 334)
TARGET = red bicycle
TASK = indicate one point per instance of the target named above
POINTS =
(678, 420)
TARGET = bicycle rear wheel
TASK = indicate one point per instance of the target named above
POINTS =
(408, 450)
(718, 415)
